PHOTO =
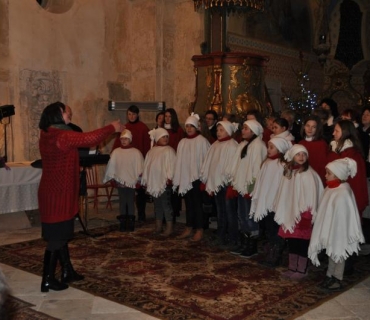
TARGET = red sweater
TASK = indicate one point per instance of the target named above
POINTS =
(140, 137)
(175, 137)
(60, 180)
(358, 183)
(317, 156)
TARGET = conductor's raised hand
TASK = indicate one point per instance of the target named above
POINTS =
(118, 126)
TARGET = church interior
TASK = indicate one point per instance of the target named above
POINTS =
(230, 56)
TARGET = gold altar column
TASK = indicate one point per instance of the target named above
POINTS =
(229, 83)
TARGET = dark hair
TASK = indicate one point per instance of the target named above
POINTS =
(352, 113)
(244, 151)
(133, 109)
(319, 129)
(258, 115)
(158, 114)
(348, 132)
(204, 131)
(212, 112)
(323, 114)
(282, 122)
(52, 114)
(366, 108)
(332, 105)
(174, 120)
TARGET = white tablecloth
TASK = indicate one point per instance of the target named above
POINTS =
(18, 187)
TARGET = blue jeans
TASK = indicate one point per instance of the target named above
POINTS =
(227, 218)
(247, 225)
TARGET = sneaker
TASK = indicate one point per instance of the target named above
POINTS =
(246, 253)
(335, 285)
(237, 250)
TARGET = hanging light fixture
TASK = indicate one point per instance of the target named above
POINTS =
(234, 6)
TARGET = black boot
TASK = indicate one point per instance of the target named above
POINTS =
(239, 249)
(250, 247)
(122, 222)
(48, 275)
(68, 273)
(131, 223)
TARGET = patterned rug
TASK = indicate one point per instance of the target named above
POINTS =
(179, 279)
(17, 309)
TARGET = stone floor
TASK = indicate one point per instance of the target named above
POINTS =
(73, 304)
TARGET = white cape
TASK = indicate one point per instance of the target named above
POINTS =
(159, 168)
(189, 160)
(125, 166)
(266, 187)
(337, 226)
(244, 171)
(216, 169)
(296, 195)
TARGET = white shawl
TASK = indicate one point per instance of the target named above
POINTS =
(266, 187)
(296, 195)
(215, 172)
(337, 226)
(244, 171)
(285, 135)
(347, 144)
(125, 166)
(159, 167)
(189, 160)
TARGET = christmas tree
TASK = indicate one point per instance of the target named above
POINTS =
(304, 100)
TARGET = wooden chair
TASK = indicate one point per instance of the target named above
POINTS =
(93, 183)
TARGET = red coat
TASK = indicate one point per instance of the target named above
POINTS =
(317, 156)
(140, 137)
(302, 230)
(266, 135)
(175, 137)
(358, 183)
(60, 180)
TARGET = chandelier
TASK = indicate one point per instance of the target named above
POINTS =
(237, 6)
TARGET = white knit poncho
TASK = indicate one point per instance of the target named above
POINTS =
(265, 188)
(124, 166)
(189, 160)
(244, 171)
(337, 227)
(216, 169)
(159, 168)
(296, 195)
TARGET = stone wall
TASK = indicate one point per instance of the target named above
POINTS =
(128, 50)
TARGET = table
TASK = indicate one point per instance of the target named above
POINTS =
(19, 187)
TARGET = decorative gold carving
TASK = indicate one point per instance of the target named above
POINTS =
(246, 102)
(217, 90)
(238, 5)
(339, 78)
(234, 84)
(209, 79)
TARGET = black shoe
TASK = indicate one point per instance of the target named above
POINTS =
(326, 282)
(250, 248)
(331, 284)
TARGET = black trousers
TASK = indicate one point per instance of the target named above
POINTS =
(194, 207)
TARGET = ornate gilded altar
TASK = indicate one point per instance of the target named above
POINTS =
(230, 83)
